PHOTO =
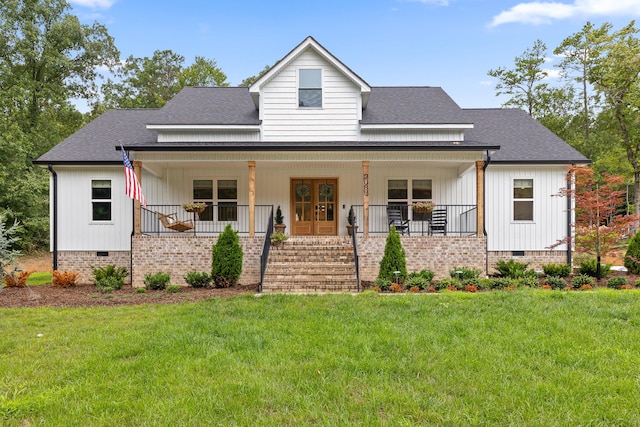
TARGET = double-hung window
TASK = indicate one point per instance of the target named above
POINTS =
(101, 199)
(523, 199)
(310, 88)
(404, 192)
(226, 192)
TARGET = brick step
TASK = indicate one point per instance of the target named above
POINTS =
(310, 260)
(311, 269)
(309, 288)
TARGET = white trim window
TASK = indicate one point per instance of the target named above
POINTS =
(226, 192)
(523, 199)
(404, 192)
(101, 200)
(310, 88)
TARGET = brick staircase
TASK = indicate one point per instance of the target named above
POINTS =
(311, 264)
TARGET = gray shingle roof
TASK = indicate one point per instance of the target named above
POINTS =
(411, 105)
(209, 106)
(96, 141)
(521, 138)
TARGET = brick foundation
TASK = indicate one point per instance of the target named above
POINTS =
(180, 254)
(535, 259)
(439, 254)
(83, 262)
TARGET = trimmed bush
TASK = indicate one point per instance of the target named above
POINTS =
(617, 282)
(446, 283)
(157, 281)
(529, 281)
(109, 276)
(511, 269)
(17, 279)
(558, 270)
(197, 279)
(582, 279)
(382, 284)
(226, 263)
(555, 282)
(174, 289)
(501, 282)
(416, 281)
(394, 258)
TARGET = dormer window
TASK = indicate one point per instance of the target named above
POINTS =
(310, 88)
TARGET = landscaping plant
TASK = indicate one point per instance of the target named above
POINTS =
(8, 255)
(632, 256)
(559, 270)
(226, 263)
(157, 281)
(109, 277)
(394, 258)
(197, 279)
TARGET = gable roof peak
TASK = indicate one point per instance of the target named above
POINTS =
(308, 43)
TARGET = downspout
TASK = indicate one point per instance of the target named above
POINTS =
(484, 207)
(54, 175)
(569, 228)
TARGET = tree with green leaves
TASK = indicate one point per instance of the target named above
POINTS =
(8, 253)
(151, 82)
(615, 76)
(251, 80)
(47, 57)
(522, 83)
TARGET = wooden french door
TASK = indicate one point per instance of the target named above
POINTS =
(314, 206)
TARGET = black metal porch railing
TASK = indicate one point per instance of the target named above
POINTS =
(212, 220)
(356, 260)
(461, 220)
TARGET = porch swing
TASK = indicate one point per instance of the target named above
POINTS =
(171, 222)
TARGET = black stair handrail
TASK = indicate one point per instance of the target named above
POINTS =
(266, 247)
(354, 241)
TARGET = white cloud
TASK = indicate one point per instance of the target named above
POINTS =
(545, 12)
(94, 4)
(486, 83)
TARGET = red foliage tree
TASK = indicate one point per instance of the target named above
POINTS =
(599, 225)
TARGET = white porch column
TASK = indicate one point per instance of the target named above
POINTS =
(480, 197)
(365, 198)
(252, 198)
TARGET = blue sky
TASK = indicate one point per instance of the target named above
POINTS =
(446, 43)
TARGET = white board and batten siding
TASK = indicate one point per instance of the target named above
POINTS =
(547, 227)
(337, 120)
(76, 229)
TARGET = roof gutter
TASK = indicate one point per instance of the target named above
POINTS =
(54, 224)
(484, 208)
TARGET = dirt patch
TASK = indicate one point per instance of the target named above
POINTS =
(87, 295)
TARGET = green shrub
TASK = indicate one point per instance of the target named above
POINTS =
(109, 276)
(632, 256)
(589, 266)
(174, 288)
(558, 270)
(529, 281)
(464, 273)
(445, 283)
(556, 282)
(582, 279)
(501, 282)
(382, 283)
(141, 291)
(637, 284)
(616, 282)
(197, 279)
(394, 258)
(226, 263)
(418, 281)
(156, 281)
(511, 269)
(485, 283)
(472, 281)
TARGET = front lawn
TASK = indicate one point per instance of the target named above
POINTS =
(526, 357)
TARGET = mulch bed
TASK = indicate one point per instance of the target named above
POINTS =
(87, 295)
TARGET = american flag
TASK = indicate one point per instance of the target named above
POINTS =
(132, 185)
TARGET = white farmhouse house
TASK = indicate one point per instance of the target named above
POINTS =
(314, 138)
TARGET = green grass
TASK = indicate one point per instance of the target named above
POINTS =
(39, 278)
(524, 358)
